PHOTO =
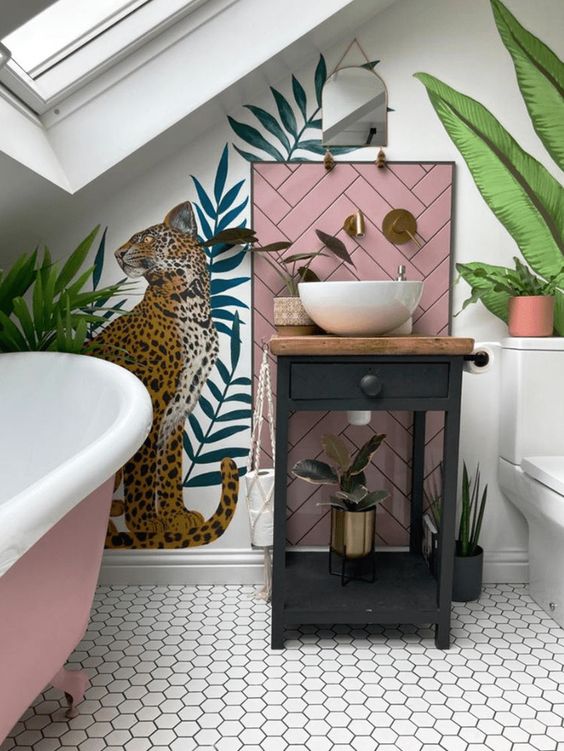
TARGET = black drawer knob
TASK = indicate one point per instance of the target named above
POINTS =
(370, 385)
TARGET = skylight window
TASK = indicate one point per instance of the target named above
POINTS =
(62, 29)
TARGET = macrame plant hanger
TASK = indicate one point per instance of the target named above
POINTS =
(260, 482)
(328, 159)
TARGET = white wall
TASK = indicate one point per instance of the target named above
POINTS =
(455, 40)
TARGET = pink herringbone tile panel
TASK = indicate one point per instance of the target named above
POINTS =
(291, 202)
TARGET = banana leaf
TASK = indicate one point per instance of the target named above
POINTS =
(523, 195)
(540, 75)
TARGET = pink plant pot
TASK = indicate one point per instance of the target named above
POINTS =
(531, 316)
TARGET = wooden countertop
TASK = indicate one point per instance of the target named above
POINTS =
(382, 345)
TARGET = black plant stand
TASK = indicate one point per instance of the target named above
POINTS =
(417, 380)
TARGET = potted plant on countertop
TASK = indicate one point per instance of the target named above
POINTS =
(290, 317)
(353, 506)
(530, 298)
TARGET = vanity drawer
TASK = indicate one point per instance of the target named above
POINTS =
(368, 381)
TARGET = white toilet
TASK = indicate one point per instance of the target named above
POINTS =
(531, 463)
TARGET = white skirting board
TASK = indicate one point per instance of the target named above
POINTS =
(245, 566)
(196, 566)
(506, 567)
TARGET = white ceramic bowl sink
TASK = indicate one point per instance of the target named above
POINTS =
(362, 308)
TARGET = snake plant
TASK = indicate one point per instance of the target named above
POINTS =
(472, 513)
(44, 304)
(519, 190)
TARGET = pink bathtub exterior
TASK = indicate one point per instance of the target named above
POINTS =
(45, 601)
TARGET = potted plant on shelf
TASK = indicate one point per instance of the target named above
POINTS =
(353, 506)
(530, 298)
(290, 317)
(469, 556)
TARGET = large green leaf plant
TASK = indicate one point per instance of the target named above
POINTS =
(46, 305)
(519, 190)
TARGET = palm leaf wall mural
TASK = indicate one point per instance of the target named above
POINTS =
(296, 126)
(226, 399)
(519, 190)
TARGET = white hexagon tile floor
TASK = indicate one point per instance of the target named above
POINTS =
(186, 668)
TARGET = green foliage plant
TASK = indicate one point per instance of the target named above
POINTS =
(472, 513)
(520, 191)
(517, 282)
(346, 471)
(292, 269)
(47, 305)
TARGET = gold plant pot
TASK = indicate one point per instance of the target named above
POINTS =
(353, 532)
(290, 317)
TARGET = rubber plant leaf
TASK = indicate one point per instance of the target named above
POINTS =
(335, 448)
(523, 195)
(372, 499)
(316, 472)
(540, 75)
(365, 454)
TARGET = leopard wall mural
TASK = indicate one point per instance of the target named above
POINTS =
(169, 341)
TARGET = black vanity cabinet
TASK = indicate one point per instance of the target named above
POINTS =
(416, 374)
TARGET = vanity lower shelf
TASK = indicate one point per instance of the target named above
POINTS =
(404, 591)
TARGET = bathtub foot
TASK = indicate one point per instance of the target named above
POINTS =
(74, 684)
(72, 711)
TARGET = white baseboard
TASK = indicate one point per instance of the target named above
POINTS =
(245, 566)
(506, 567)
(196, 566)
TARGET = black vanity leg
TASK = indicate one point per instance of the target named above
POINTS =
(417, 477)
(447, 531)
(280, 487)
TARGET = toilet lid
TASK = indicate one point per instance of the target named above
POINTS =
(546, 469)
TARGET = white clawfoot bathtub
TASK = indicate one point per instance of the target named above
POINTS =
(67, 424)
